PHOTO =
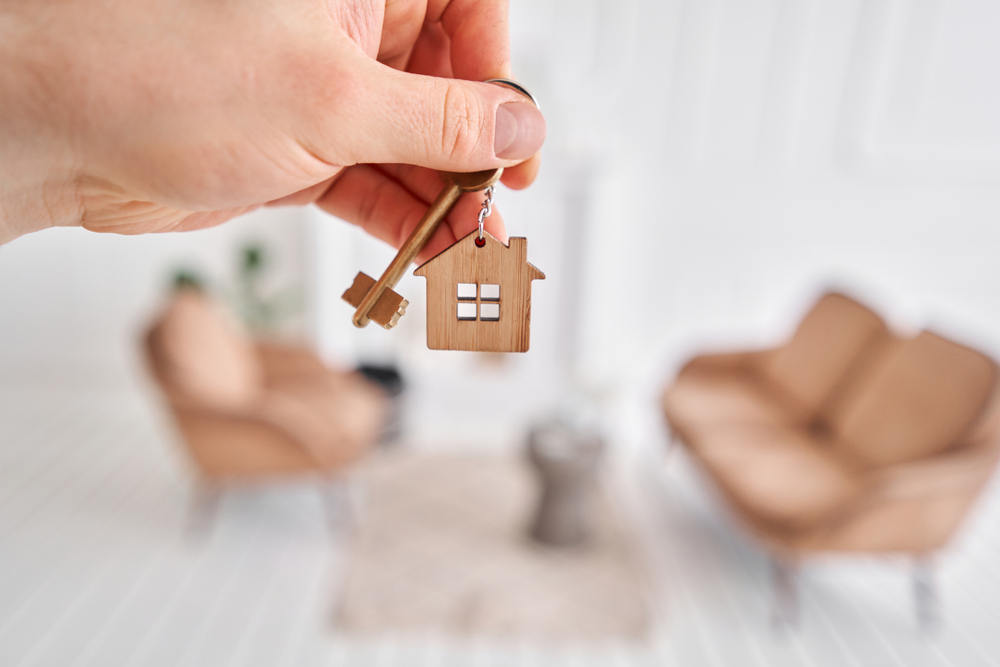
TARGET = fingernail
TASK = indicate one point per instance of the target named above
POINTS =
(519, 131)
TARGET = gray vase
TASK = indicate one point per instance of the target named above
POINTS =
(566, 463)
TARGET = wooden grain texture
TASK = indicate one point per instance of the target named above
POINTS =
(494, 263)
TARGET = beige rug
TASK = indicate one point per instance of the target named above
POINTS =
(442, 548)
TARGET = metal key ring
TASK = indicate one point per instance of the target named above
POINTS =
(515, 86)
(487, 206)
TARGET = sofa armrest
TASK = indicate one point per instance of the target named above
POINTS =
(960, 471)
(727, 362)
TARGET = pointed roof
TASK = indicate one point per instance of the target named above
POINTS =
(491, 241)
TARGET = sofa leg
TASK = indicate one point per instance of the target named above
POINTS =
(673, 444)
(926, 595)
(338, 504)
(785, 600)
(202, 510)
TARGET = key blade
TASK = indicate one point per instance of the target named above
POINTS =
(357, 291)
(386, 311)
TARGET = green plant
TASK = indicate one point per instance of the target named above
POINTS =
(260, 311)
(187, 279)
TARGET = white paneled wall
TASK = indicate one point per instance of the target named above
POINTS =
(751, 152)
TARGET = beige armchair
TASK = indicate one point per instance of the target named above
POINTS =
(255, 411)
(848, 438)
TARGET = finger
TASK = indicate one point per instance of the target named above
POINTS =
(480, 41)
(387, 209)
(522, 175)
(426, 185)
(401, 25)
(431, 54)
(444, 124)
(463, 218)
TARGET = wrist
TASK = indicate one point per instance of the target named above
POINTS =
(36, 159)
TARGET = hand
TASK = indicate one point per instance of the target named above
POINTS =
(136, 116)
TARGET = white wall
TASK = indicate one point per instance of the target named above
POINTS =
(711, 165)
(751, 152)
(73, 303)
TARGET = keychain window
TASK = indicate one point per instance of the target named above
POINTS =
(466, 311)
(478, 302)
(489, 312)
(489, 292)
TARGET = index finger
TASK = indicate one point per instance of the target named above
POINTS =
(479, 34)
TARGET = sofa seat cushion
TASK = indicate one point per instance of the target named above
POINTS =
(832, 337)
(699, 400)
(781, 475)
(919, 401)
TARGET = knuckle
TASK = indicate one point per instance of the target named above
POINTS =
(462, 123)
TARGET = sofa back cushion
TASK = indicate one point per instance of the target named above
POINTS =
(828, 341)
(923, 396)
(201, 353)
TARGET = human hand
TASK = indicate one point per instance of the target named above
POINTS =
(147, 115)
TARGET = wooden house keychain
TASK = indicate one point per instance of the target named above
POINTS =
(478, 290)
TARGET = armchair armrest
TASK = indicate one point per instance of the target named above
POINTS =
(288, 362)
(299, 425)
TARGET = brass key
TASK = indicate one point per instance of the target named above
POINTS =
(376, 300)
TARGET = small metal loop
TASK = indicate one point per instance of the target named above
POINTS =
(485, 210)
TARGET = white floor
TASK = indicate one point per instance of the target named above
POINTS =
(96, 568)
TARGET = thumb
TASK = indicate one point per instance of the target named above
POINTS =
(446, 124)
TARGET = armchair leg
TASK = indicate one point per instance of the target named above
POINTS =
(926, 595)
(785, 600)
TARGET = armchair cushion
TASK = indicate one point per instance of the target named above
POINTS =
(780, 475)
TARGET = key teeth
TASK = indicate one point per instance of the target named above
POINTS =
(394, 320)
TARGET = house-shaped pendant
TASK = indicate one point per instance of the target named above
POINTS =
(479, 297)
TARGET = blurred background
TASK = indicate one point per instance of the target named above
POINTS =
(712, 167)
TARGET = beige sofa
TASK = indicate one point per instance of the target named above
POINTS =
(847, 438)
